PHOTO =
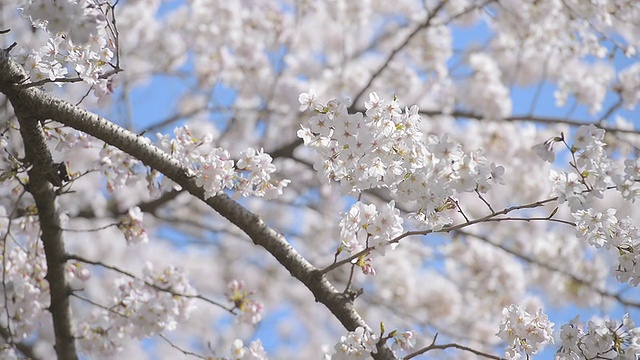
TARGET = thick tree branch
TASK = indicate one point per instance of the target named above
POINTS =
(41, 105)
(41, 176)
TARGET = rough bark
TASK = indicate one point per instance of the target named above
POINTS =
(42, 173)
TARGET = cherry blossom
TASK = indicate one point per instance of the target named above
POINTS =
(525, 334)
(458, 168)
(356, 345)
(600, 338)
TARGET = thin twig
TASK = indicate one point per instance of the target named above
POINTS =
(159, 288)
(100, 306)
(566, 222)
(446, 229)
(552, 268)
(484, 200)
(527, 118)
(433, 346)
(185, 352)
(395, 51)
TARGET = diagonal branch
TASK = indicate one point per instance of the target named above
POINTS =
(39, 104)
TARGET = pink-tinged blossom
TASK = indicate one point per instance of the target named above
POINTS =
(373, 104)
(386, 225)
(131, 227)
(403, 340)
(216, 172)
(120, 168)
(250, 310)
(78, 39)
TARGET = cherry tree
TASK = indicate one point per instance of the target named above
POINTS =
(319, 179)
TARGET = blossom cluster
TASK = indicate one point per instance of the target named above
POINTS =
(491, 97)
(356, 345)
(594, 173)
(140, 308)
(605, 230)
(365, 226)
(212, 167)
(600, 339)
(254, 351)
(525, 334)
(360, 343)
(79, 39)
(120, 168)
(592, 168)
(250, 310)
(25, 288)
(131, 226)
(215, 170)
(402, 340)
(385, 148)
(627, 183)
(587, 83)
(530, 42)
(629, 79)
